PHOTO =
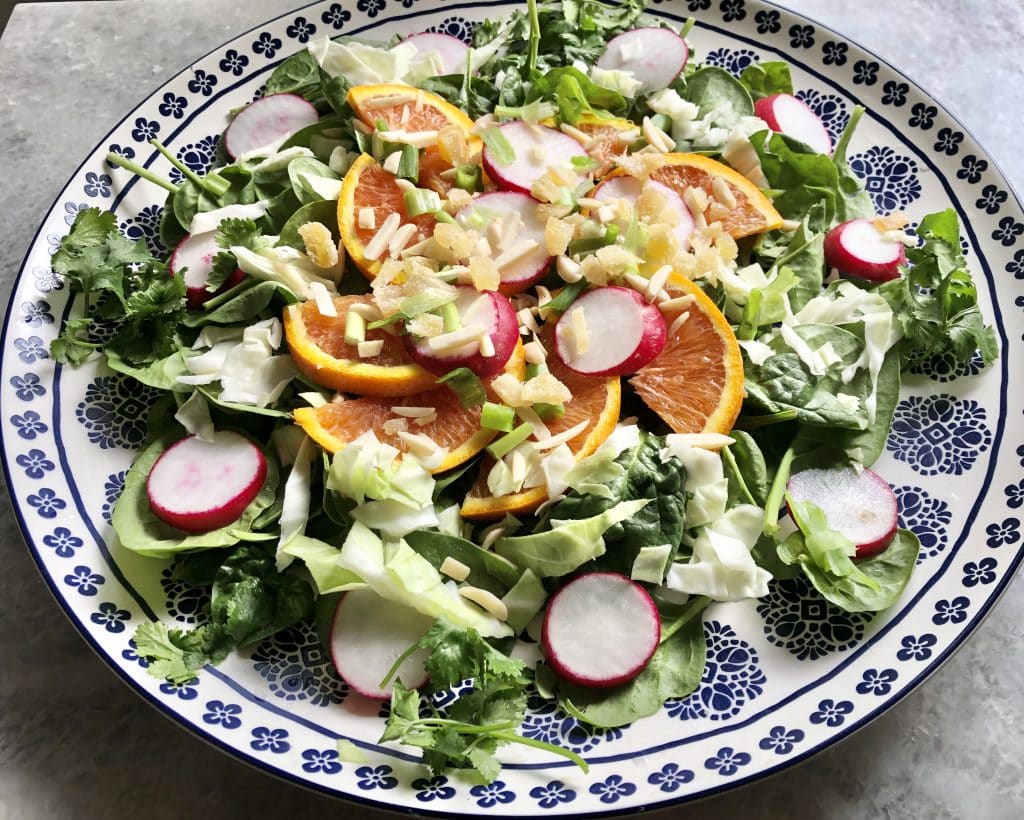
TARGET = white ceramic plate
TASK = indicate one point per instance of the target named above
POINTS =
(786, 675)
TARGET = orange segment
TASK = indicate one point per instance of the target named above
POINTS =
(318, 348)
(367, 185)
(595, 400)
(406, 108)
(456, 427)
(696, 383)
(605, 144)
(753, 212)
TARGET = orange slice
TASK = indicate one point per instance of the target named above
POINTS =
(318, 348)
(404, 107)
(604, 135)
(367, 185)
(456, 427)
(696, 383)
(753, 212)
(595, 400)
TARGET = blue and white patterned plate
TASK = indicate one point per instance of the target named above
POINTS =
(786, 676)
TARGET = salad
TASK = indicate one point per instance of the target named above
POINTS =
(551, 341)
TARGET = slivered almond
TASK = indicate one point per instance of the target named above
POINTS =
(391, 162)
(447, 342)
(677, 304)
(535, 352)
(454, 569)
(486, 347)
(723, 193)
(580, 338)
(376, 246)
(568, 270)
(657, 282)
(564, 437)
(371, 348)
(401, 238)
(678, 323)
(394, 426)
(487, 601)
(529, 415)
(412, 412)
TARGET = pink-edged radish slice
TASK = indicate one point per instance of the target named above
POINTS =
(268, 122)
(486, 309)
(193, 259)
(198, 485)
(600, 630)
(787, 115)
(451, 51)
(629, 189)
(518, 245)
(859, 504)
(368, 635)
(536, 148)
(654, 56)
(858, 248)
(622, 332)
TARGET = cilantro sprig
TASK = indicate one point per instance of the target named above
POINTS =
(480, 721)
(122, 283)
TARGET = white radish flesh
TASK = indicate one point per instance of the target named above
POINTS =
(654, 56)
(600, 630)
(268, 122)
(198, 486)
(858, 248)
(787, 115)
(485, 309)
(521, 272)
(630, 188)
(623, 333)
(450, 51)
(193, 259)
(368, 635)
(536, 148)
(860, 505)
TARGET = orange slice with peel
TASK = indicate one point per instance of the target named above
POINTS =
(604, 144)
(318, 348)
(404, 107)
(752, 213)
(455, 427)
(596, 400)
(696, 383)
(368, 185)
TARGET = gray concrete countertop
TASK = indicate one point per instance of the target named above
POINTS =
(75, 743)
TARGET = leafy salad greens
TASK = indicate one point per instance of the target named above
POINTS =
(694, 516)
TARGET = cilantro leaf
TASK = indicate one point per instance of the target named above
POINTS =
(175, 655)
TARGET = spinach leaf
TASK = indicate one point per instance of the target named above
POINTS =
(304, 173)
(299, 74)
(575, 94)
(804, 257)
(674, 671)
(142, 532)
(487, 570)
(249, 301)
(643, 476)
(324, 211)
(714, 89)
(746, 470)
(161, 374)
(766, 79)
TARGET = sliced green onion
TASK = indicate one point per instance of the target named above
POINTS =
(566, 296)
(409, 164)
(421, 201)
(583, 163)
(549, 412)
(508, 442)
(355, 328)
(663, 122)
(465, 384)
(611, 234)
(534, 370)
(499, 146)
(587, 244)
(635, 240)
(469, 177)
(497, 417)
(751, 312)
(452, 320)
(444, 216)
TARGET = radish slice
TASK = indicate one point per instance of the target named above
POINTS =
(367, 636)
(486, 309)
(268, 122)
(450, 50)
(198, 485)
(787, 115)
(858, 248)
(536, 148)
(600, 630)
(193, 259)
(623, 332)
(860, 505)
(519, 270)
(629, 189)
(655, 56)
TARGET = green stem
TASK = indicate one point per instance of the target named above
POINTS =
(730, 462)
(213, 184)
(139, 171)
(531, 64)
(394, 667)
(751, 313)
(512, 737)
(754, 422)
(693, 608)
(494, 729)
(776, 493)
